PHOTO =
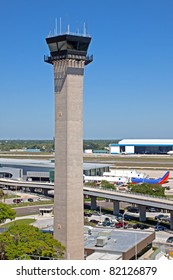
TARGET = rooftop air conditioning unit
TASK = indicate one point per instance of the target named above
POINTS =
(101, 241)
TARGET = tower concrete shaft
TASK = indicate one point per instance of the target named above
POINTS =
(68, 56)
(68, 193)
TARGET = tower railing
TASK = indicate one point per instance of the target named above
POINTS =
(50, 59)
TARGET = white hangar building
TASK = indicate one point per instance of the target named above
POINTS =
(142, 146)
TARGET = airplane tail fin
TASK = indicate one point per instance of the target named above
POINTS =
(165, 177)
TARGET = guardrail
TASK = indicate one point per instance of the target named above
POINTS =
(130, 193)
(50, 186)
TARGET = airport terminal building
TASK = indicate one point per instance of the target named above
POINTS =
(142, 146)
(41, 170)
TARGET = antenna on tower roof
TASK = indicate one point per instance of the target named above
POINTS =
(55, 30)
(77, 29)
(86, 25)
(50, 32)
(68, 28)
(84, 29)
(60, 25)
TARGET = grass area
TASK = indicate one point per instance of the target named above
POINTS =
(94, 157)
(24, 153)
(132, 164)
(41, 157)
(89, 199)
(135, 158)
(35, 203)
(121, 161)
(18, 222)
(11, 196)
(134, 161)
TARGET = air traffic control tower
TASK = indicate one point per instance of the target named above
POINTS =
(68, 55)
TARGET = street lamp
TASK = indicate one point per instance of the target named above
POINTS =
(123, 219)
(100, 211)
(136, 249)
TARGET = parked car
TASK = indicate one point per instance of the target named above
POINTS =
(141, 226)
(106, 223)
(152, 209)
(119, 216)
(135, 226)
(167, 187)
(17, 200)
(159, 228)
(133, 209)
(127, 217)
(107, 219)
(158, 217)
(86, 214)
(47, 231)
(30, 199)
(94, 221)
(170, 239)
(165, 219)
(121, 224)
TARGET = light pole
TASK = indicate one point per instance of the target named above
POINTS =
(136, 249)
(123, 219)
(100, 211)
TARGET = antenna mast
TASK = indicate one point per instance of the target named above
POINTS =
(55, 26)
(60, 25)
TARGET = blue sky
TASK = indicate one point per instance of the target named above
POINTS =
(128, 88)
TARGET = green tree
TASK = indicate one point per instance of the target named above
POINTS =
(97, 144)
(5, 243)
(6, 213)
(104, 184)
(28, 242)
(150, 189)
(91, 184)
(107, 185)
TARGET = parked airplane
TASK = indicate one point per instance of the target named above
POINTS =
(159, 181)
(117, 180)
(127, 173)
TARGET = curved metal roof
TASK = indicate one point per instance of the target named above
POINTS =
(146, 142)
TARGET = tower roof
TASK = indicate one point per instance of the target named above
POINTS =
(68, 46)
(68, 42)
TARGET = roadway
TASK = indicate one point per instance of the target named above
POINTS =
(47, 222)
(116, 196)
(127, 197)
